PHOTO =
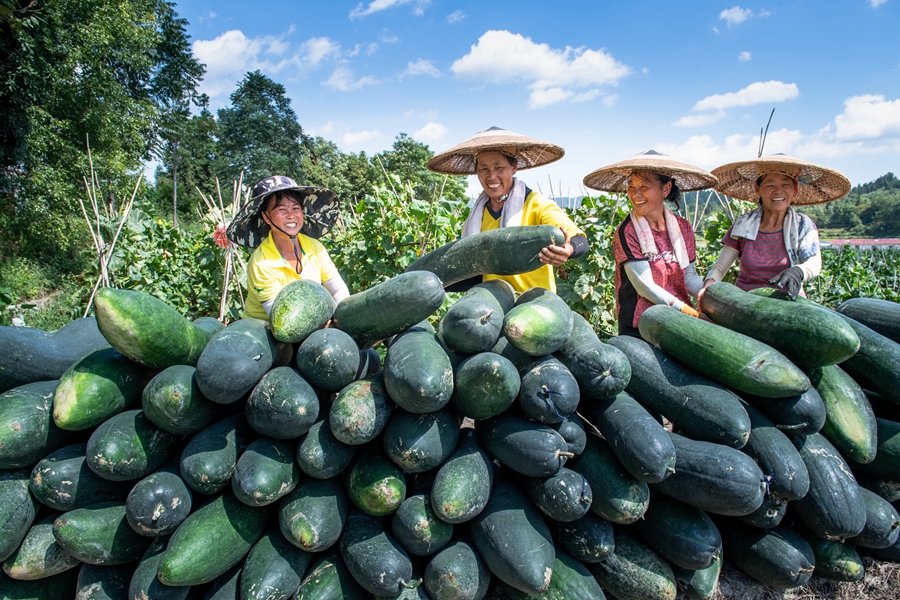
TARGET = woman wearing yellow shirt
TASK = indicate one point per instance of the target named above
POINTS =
(495, 156)
(282, 221)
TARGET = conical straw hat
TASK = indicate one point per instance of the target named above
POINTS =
(528, 152)
(614, 178)
(817, 184)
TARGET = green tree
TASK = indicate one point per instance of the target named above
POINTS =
(349, 175)
(194, 167)
(73, 73)
(175, 88)
(259, 134)
(406, 160)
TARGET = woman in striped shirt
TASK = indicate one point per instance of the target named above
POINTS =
(777, 246)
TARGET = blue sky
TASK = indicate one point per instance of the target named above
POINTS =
(605, 80)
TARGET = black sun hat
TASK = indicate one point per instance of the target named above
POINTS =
(321, 208)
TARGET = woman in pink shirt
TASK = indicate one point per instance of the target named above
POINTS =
(777, 246)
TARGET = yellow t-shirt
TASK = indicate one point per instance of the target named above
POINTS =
(268, 271)
(538, 210)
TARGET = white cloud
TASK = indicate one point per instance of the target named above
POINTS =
(326, 129)
(232, 54)
(456, 16)
(389, 38)
(425, 115)
(869, 125)
(421, 67)
(867, 117)
(755, 93)
(735, 15)
(545, 97)
(744, 56)
(698, 120)
(379, 5)
(586, 96)
(342, 79)
(702, 151)
(355, 139)
(876, 3)
(503, 57)
(608, 101)
(431, 134)
(371, 48)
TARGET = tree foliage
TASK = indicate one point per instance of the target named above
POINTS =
(78, 73)
(259, 133)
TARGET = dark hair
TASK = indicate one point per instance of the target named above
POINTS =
(512, 160)
(274, 198)
(674, 193)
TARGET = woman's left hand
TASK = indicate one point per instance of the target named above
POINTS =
(557, 255)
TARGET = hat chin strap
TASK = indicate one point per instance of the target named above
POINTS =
(298, 251)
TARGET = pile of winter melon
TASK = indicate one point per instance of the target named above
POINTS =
(146, 456)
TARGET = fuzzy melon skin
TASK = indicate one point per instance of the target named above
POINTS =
(373, 557)
(63, 481)
(274, 568)
(375, 484)
(329, 579)
(312, 516)
(777, 557)
(728, 357)
(96, 582)
(849, 419)
(635, 571)
(619, 497)
(539, 327)
(472, 325)
(361, 411)
(144, 582)
(328, 359)
(212, 540)
(484, 386)
(390, 307)
(99, 534)
(513, 540)
(208, 460)
(417, 528)
(265, 472)
(32, 354)
(456, 573)
(236, 358)
(172, 400)
(128, 446)
(98, 386)
(27, 430)
(601, 370)
(17, 510)
(571, 580)
(147, 330)
(321, 455)
(504, 251)
(61, 585)
(418, 373)
(463, 483)
(283, 405)
(588, 539)
(300, 308)
(39, 555)
(159, 503)
(419, 443)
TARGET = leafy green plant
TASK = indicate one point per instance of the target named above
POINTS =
(388, 230)
(180, 267)
(588, 283)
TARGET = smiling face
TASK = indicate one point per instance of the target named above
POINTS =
(495, 174)
(284, 214)
(777, 191)
(646, 193)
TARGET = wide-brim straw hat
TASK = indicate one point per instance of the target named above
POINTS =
(528, 152)
(817, 184)
(614, 177)
(321, 208)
